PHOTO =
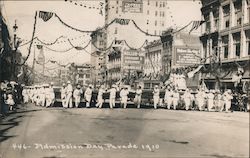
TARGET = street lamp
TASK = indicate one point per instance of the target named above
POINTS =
(15, 45)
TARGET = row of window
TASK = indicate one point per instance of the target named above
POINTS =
(161, 23)
(158, 4)
(160, 13)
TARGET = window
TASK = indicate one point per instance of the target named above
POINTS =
(238, 13)
(156, 13)
(226, 13)
(236, 44)
(162, 23)
(247, 33)
(163, 14)
(116, 10)
(207, 19)
(156, 4)
(117, 2)
(155, 22)
(147, 22)
(155, 32)
(148, 2)
(160, 4)
(225, 46)
(148, 12)
(216, 19)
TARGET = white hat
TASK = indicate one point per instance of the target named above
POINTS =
(68, 82)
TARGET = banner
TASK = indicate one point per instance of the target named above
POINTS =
(45, 15)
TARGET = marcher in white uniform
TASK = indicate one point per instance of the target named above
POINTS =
(218, 101)
(124, 97)
(112, 96)
(42, 96)
(100, 99)
(25, 95)
(187, 97)
(227, 99)
(69, 89)
(210, 100)
(156, 96)
(168, 98)
(88, 95)
(200, 99)
(64, 95)
(138, 94)
(77, 95)
(176, 98)
(50, 96)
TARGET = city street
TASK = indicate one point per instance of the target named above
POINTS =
(72, 133)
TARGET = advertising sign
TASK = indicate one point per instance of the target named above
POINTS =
(187, 56)
(132, 6)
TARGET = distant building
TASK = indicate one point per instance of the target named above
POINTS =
(225, 41)
(97, 57)
(123, 62)
(83, 74)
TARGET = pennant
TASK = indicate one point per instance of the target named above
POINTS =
(45, 15)
(122, 21)
(39, 46)
(196, 25)
(191, 73)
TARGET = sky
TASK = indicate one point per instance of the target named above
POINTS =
(183, 11)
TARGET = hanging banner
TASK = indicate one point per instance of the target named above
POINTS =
(45, 15)
(122, 21)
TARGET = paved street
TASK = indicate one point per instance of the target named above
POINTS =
(72, 133)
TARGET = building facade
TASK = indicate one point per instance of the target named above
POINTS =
(123, 63)
(97, 58)
(225, 41)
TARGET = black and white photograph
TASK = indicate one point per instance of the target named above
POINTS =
(124, 78)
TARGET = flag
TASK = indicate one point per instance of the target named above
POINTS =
(39, 46)
(45, 15)
(191, 73)
(196, 25)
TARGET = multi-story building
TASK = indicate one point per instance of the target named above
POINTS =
(83, 74)
(98, 57)
(123, 62)
(153, 58)
(149, 15)
(174, 50)
(225, 41)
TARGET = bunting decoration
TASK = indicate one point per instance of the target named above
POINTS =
(122, 21)
(39, 46)
(45, 15)
(196, 25)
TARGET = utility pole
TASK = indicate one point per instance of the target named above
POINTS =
(15, 45)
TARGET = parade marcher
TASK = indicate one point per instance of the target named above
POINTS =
(188, 98)
(42, 95)
(210, 100)
(25, 95)
(64, 95)
(124, 96)
(100, 99)
(50, 95)
(138, 94)
(218, 101)
(112, 96)
(69, 92)
(88, 95)
(227, 98)
(168, 98)
(156, 96)
(35, 95)
(77, 95)
(176, 98)
(200, 98)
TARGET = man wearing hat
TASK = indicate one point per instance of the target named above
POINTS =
(64, 95)
(77, 95)
(69, 92)
(200, 98)
(138, 94)
(156, 96)
(42, 95)
(100, 96)
(176, 98)
(112, 96)
(210, 100)
(187, 97)
(25, 95)
(168, 97)
(124, 96)
(227, 99)
(88, 95)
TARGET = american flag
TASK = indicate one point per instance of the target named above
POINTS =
(45, 15)
(196, 25)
